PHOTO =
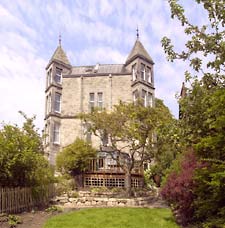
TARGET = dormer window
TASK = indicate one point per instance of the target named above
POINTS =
(134, 76)
(143, 71)
(58, 75)
(149, 75)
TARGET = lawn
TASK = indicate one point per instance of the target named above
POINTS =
(114, 218)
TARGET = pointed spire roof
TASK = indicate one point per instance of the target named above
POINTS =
(138, 51)
(59, 54)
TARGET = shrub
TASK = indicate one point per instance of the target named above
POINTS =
(13, 220)
(179, 186)
(74, 159)
(22, 162)
(209, 203)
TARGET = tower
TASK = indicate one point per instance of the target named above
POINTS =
(140, 64)
(58, 65)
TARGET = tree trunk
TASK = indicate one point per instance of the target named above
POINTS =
(128, 183)
(79, 180)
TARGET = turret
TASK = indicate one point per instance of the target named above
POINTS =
(140, 64)
(57, 66)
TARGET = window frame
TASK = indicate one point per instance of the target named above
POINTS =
(134, 76)
(49, 77)
(58, 76)
(100, 101)
(56, 133)
(149, 74)
(143, 72)
(144, 98)
(135, 96)
(57, 103)
(150, 99)
(91, 102)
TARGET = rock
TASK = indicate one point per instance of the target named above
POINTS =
(72, 199)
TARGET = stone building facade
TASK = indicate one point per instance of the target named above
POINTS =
(71, 90)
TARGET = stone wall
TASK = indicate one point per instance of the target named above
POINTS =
(102, 200)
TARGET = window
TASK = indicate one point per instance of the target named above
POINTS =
(49, 77)
(57, 102)
(91, 101)
(144, 97)
(150, 100)
(56, 133)
(100, 100)
(58, 75)
(100, 163)
(149, 75)
(48, 104)
(134, 76)
(104, 138)
(46, 133)
(142, 71)
(135, 96)
(87, 132)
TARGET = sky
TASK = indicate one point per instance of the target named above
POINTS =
(93, 31)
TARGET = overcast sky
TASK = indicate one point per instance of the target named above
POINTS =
(93, 31)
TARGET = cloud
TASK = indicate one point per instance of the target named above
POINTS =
(92, 31)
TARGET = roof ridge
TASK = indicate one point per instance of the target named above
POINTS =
(104, 64)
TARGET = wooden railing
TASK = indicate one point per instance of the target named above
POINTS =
(15, 200)
(100, 166)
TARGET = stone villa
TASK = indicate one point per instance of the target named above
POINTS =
(71, 90)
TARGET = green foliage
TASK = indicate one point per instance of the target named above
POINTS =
(207, 39)
(203, 112)
(14, 220)
(131, 129)
(74, 159)
(204, 121)
(169, 146)
(21, 156)
(64, 185)
(210, 198)
(114, 217)
(53, 209)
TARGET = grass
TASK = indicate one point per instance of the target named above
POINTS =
(114, 218)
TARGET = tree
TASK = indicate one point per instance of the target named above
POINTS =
(131, 130)
(203, 122)
(74, 159)
(207, 40)
(203, 108)
(169, 146)
(21, 156)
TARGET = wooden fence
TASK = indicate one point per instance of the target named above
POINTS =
(15, 200)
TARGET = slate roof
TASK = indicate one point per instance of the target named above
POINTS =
(60, 55)
(99, 69)
(138, 50)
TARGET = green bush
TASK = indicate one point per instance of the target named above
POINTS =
(209, 203)
(22, 162)
(74, 159)
(14, 220)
